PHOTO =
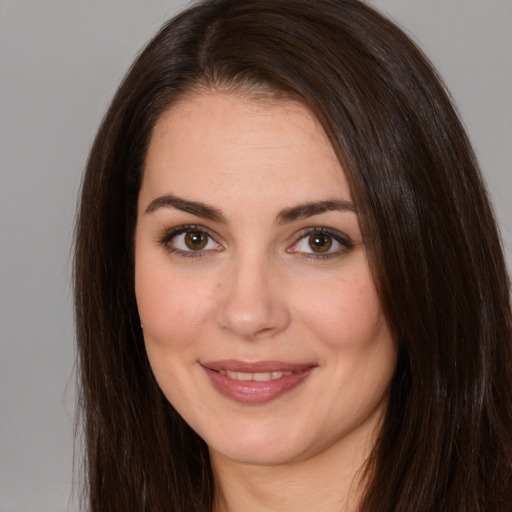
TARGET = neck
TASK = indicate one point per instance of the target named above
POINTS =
(331, 480)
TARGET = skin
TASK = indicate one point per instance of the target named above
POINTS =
(256, 292)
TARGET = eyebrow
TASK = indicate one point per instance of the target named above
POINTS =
(285, 216)
(303, 211)
(194, 207)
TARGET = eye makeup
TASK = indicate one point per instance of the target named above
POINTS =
(314, 243)
(320, 243)
(190, 241)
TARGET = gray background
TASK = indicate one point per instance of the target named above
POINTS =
(60, 63)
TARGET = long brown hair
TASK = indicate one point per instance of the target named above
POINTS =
(434, 250)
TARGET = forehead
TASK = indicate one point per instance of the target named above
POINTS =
(227, 145)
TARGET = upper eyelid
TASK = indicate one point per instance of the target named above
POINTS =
(178, 230)
(338, 235)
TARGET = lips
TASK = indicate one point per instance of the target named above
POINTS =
(255, 383)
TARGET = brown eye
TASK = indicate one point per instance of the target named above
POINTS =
(190, 241)
(195, 240)
(320, 242)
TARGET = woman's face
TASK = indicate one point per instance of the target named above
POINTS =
(261, 320)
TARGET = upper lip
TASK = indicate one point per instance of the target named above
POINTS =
(235, 365)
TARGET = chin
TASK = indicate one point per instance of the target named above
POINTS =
(257, 454)
(259, 446)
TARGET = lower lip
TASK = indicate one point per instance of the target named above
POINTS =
(252, 391)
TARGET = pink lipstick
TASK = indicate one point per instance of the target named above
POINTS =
(255, 383)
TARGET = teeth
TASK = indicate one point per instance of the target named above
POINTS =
(266, 376)
(241, 376)
(260, 376)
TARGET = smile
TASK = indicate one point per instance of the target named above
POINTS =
(260, 376)
(255, 383)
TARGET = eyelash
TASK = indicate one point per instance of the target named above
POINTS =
(180, 230)
(342, 239)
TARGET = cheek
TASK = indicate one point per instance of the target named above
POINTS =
(168, 312)
(346, 311)
(171, 309)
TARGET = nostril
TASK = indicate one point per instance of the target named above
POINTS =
(253, 320)
(250, 304)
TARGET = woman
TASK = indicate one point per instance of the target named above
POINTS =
(290, 290)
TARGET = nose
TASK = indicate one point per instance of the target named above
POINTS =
(252, 301)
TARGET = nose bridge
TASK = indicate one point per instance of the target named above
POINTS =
(252, 303)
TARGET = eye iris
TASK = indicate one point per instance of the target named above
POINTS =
(195, 240)
(320, 242)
